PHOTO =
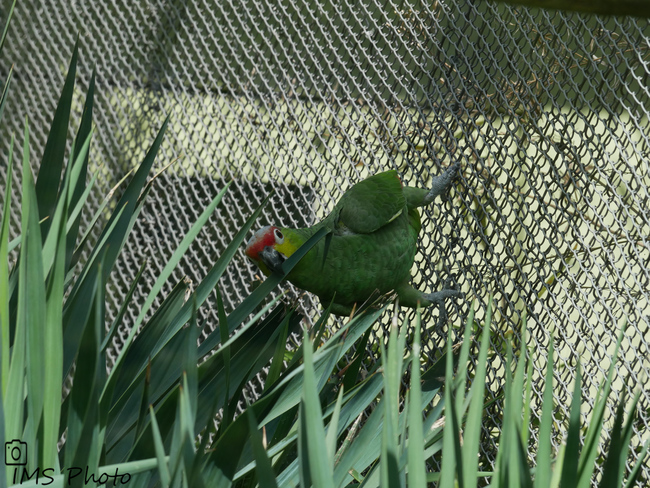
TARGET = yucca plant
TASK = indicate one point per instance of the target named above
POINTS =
(572, 466)
(575, 463)
(139, 422)
(52, 315)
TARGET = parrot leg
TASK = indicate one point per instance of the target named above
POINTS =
(338, 309)
(441, 183)
(438, 298)
(418, 197)
(410, 297)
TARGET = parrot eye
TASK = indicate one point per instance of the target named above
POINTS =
(279, 238)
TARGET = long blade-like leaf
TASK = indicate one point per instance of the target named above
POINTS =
(223, 329)
(570, 468)
(3, 473)
(95, 218)
(120, 222)
(31, 304)
(14, 392)
(144, 404)
(6, 29)
(53, 337)
(333, 427)
(81, 448)
(353, 370)
(49, 173)
(320, 464)
(473, 424)
(611, 471)
(627, 434)
(166, 370)
(163, 469)
(278, 357)
(543, 472)
(640, 462)
(255, 336)
(265, 474)
(76, 311)
(416, 466)
(4, 276)
(77, 188)
(304, 469)
(392, 364)
(61, 209)
(144, 343)
(594, 429)
(5, 91)
(447, 474)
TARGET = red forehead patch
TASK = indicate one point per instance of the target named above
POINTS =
(262, 238)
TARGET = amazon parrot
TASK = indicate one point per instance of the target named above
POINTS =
(369, 250)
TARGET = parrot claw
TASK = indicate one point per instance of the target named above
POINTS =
(272, 259)
(438, 298)
(441, 184)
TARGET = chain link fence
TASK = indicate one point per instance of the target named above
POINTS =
(546, 111)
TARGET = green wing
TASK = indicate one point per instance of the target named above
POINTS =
(371, 203)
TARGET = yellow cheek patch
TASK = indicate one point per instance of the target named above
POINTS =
(286, 248)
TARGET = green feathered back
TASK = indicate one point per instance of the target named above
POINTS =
(371, 203)
(372, 247)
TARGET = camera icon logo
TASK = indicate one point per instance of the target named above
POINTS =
(15, 453)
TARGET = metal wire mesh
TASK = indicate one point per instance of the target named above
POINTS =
(548, 113)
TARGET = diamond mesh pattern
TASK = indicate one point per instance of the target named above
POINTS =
(547, 111)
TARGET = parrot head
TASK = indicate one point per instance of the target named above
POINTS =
(267, 249)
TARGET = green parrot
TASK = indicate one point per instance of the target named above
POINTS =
(374, 229)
